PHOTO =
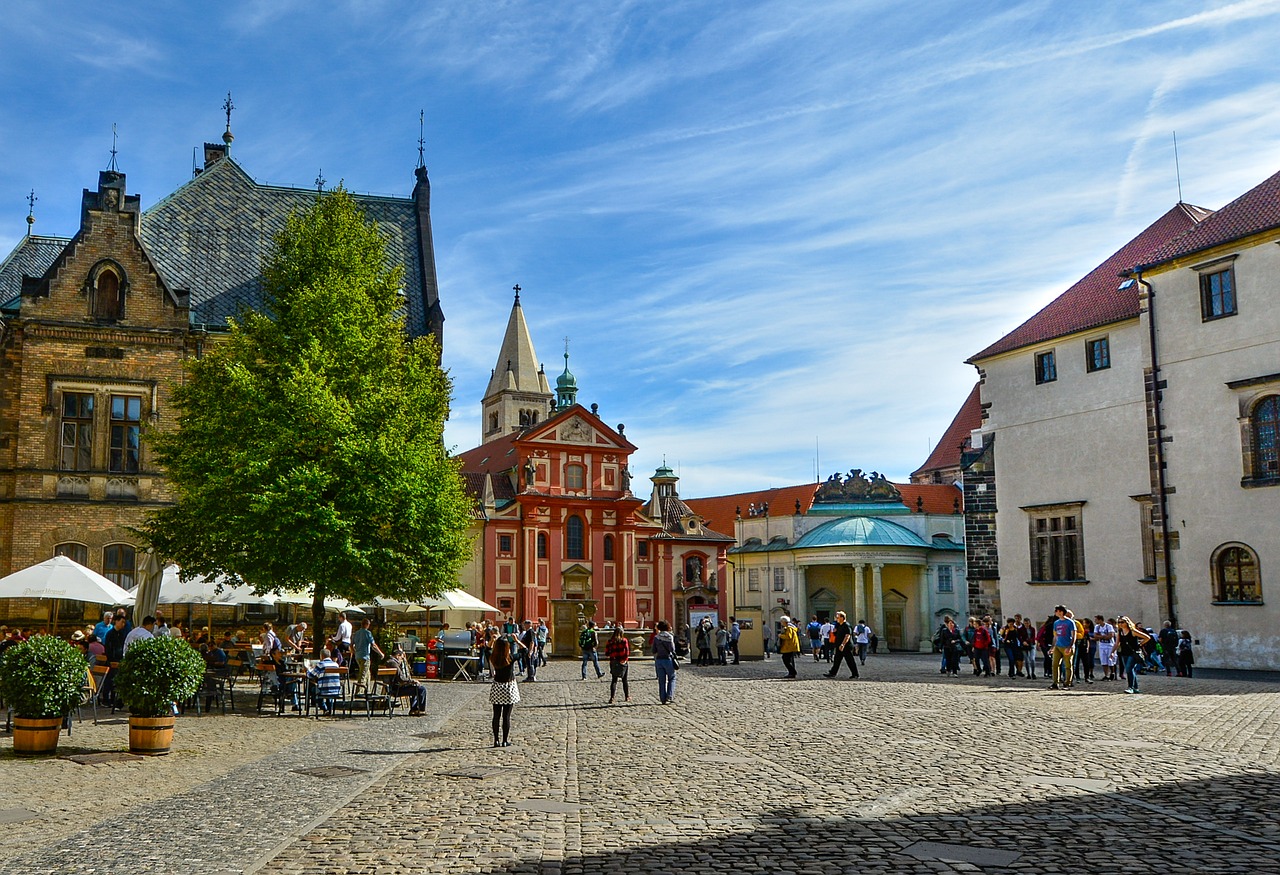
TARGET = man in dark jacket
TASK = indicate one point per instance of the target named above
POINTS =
(1168, 639)
(844, 647)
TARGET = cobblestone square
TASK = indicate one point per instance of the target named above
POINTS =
(900, 771)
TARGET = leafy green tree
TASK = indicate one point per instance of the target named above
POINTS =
(309, 451)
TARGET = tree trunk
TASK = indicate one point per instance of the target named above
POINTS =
(318, 636)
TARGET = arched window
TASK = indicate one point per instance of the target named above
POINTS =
(1237, 578)
(542, 545)
(575, 477)
(118, 564)
(1265, 425)
(108, 303)
(74, 552)
(608, 548)
(573, 540)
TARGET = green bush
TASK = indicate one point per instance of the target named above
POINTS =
(155, 673)
(42, 677)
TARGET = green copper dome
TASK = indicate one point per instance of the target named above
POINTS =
(861, 532)
(566, 385)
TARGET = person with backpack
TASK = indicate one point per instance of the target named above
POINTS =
(589, 644)
(815, 637)
(1185, 655)
(862, 638)
(827, 639)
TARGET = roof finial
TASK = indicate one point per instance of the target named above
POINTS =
(114, 138)
(422, 140)
(516, 288)
(320, 181)
(31, 210)
(227, 136)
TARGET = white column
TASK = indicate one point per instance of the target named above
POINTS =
(926, 615)
(859, 594)
(877, 591)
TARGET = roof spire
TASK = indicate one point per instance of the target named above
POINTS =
(516, 289)
(320, 181)
(227, 136)
(114, 139)
(422, 140)
(31, 210)
(566, 384)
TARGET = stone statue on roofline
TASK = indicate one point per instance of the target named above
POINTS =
(857, 486)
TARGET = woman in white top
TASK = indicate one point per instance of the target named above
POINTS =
(1105, 634)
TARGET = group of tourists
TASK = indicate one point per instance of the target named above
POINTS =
(1070, 648)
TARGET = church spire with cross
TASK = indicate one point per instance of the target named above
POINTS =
(518, 394)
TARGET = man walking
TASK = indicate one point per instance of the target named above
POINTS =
(815, 637)
(543, 636)
(363, 646)
(843, 647)
(1064, 644)
(862, 636)
(529, 638)
(826, 639)
(735, 632)
(588, 643)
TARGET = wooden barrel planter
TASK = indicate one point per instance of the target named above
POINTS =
(151, 736)
(33, 736)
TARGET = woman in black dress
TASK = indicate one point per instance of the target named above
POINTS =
(951, 641)
(504, 692)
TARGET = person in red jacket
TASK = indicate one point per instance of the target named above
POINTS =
(982, 649)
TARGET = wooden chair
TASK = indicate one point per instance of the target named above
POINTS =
(384, 696)
(97, 677)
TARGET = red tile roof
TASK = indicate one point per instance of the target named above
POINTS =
(946, 453)
(497, 455)
(1097, 299)
(939, 498)
(1258, 209)
(720, 511)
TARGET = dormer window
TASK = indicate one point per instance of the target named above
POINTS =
(108, 295)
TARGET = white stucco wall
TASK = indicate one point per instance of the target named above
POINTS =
(1209, 506)
(1079, 438)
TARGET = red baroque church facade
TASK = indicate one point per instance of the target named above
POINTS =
(561, 535)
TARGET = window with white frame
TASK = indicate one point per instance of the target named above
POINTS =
(753, 579)
(779, 580)
(945, 582)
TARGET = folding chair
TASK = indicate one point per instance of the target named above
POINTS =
(97, 678)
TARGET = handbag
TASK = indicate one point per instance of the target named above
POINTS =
(675, 663)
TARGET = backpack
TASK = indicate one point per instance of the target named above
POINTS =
(814, 628)
(587, 639)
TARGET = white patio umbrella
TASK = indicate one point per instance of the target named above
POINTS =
(62, 578)
(459, 600)
(198, 590)
(402, 607)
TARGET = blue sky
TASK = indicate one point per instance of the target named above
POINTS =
(767, 227)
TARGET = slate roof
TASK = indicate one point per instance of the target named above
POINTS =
(674, 513)
(946, 453)
(31, 257)
(1258, 209)
(210, 236)
(1097, 298)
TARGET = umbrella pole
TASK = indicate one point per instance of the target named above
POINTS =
(54, 627)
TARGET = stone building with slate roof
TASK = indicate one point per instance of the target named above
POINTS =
(560, 533)
(97, 327)
(1141, 409)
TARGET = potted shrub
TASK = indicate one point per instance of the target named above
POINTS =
(41, 680)
(155, 674)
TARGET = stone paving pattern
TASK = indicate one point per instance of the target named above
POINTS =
(902, 771)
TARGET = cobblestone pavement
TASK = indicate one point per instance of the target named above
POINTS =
(902, 771)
